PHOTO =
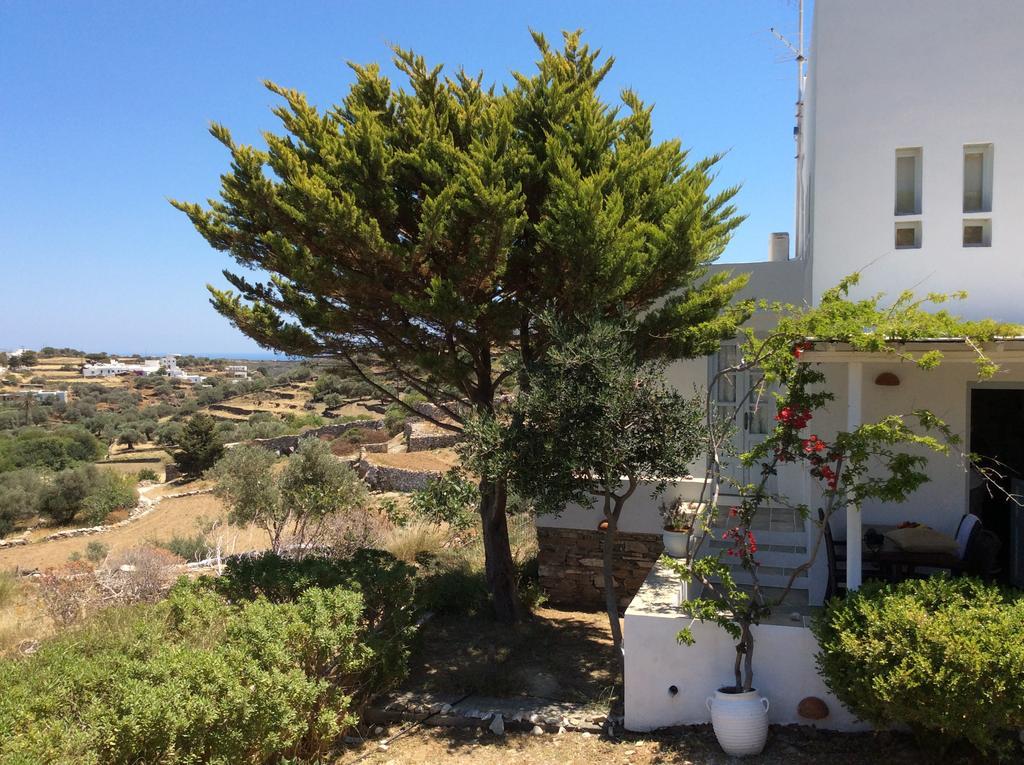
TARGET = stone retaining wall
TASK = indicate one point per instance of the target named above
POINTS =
(571, 565)
(288, 444)
(389, 478)
(423, 436)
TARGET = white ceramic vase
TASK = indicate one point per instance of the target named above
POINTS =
(740, 721)
(676, 543)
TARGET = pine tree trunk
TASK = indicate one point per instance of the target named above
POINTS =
(500, 569)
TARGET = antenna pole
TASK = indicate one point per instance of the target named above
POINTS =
(798, 130)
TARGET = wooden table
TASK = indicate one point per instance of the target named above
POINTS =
(895, 564)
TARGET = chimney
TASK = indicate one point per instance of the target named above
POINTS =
(778, 247)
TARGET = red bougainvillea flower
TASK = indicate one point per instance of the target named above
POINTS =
(813, 444)
(794, 418)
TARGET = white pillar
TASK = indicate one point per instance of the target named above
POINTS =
(854, 528)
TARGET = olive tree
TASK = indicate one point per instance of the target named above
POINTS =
(594, 424)
(291, 503)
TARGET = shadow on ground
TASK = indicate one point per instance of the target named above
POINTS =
(558, 655)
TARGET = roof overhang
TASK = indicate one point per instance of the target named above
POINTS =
(953, 349)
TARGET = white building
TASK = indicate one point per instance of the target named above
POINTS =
(50, 396)
(115, 367)
(237, 370)
(909, 157)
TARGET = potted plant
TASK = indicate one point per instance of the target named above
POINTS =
(677, 526)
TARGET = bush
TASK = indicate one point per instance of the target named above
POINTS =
(96, 551)
(20, 494)
(110, 492)
(50, 449)
(453, 585)
(417, 540)
(449, 499)
(187, 548)
(193, 679)
(147, 474)
(62, 499)
(941, 656)
(386, 585)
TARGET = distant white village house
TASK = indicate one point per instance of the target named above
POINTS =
(115, 367)
(52, 396)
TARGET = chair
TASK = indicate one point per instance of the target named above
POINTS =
(977, 553)
(835, 553)
(981, 557)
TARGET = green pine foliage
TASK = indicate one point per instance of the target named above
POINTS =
(199, 446)
(426, 226)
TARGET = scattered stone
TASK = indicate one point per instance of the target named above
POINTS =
(535, 718)
(378, 729)
(537, 731)
(561, 730)
(497, 726)
(446, 708)
(382, 747)
(586, 734)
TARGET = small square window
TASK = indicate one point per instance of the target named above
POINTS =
(908, 181)
(978, 178)
(908, 235)
(977, 232)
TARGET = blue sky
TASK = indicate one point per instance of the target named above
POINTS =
(104, 108)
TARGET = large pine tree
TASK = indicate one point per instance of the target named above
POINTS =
(429, 226)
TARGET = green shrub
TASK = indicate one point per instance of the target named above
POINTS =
(147, 474)
(192, 680)
(108, 493)
(20, 494)
(333, 400)
(397, 515)
(941, 656)
(450, 499)
(394, 419)
(65, 496)
(189, 548)
(453, 585)
(385, 584)
(96, 551)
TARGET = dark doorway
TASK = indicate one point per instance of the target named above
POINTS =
(997, 436)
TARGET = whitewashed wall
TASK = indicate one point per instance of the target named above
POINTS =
(935, 74)
(784, 669)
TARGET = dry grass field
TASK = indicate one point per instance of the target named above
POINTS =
(435, 459)
(177, 516)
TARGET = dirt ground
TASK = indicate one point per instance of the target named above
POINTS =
(789, 745)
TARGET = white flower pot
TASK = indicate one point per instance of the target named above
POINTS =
(740, 721)
(676, 543)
